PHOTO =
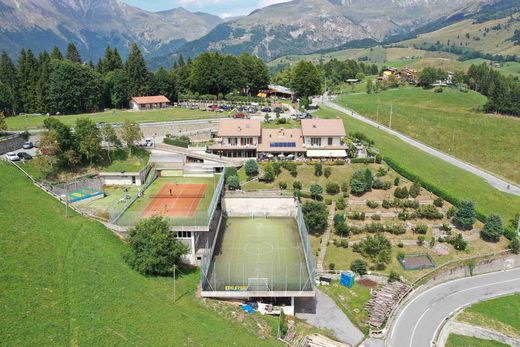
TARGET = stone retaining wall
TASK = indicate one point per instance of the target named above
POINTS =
(10, 143)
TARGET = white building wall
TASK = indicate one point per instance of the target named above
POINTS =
(225, 140)
(336, 141)
(122, 181)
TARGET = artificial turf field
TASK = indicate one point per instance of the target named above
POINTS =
(196, 216)
(259, 248)
(64, 282)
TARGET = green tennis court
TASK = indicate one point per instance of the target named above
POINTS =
(258, 254)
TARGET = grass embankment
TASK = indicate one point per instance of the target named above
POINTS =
(499, 314)
(467, 341)
(453, 180)
(448, 121)
(351, 301)
(165, 115)
(64, 282)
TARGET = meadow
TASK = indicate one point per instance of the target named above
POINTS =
(453, 180)
(31, 122)
(466, 341)
(449, 121)
(64, 282)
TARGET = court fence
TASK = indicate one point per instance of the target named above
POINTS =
(86, 186)
(304, 234)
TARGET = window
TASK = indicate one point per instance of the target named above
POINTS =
(282, 144)
(233, 141)
(330, 141)
(316, 141)
(183, 235)
(245, 141)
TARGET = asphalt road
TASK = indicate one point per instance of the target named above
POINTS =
(418, 322)
(494, 181)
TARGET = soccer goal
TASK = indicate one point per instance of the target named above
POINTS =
(258, 284)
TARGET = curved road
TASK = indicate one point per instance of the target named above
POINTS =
(418, 322)
(494, 181)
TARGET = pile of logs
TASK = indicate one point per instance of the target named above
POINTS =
(317, 340)
(383, 302)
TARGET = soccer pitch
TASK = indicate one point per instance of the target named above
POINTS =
(259, 254)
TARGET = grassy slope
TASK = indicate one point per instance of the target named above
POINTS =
(466, 341)
(447, 121)
(454, 180)
(64, 282)
(36, 122)
(498, 314)
(494, 42)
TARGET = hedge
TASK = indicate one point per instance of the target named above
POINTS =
(428, 186)
(175, 141)
(363, 160)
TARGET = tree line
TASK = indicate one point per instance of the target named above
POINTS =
(58, 83)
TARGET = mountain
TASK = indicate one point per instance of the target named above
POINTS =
(94, 24)
(305, 26)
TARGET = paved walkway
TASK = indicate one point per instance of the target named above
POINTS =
(325, 238)
(324, 313)
(494, 181)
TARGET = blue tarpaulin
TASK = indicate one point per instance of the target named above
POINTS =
(248, 308)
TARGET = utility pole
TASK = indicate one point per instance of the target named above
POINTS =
(66, 200)
(377, 116)
(174, 289)
(391, 111)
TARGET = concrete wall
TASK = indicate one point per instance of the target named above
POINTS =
(122, 180)
(259, 206)
(10, 143)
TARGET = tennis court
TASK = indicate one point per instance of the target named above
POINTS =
(258, 254)
(84, 194)
(184, 200)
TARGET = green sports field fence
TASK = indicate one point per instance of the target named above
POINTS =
(304, 234)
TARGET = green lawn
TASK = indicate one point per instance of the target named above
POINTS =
(122, 161)
(448, 121)
(453, 180)
(466, 341)
(64, 282)
(500, 314)
(36, 122)
(351, 301)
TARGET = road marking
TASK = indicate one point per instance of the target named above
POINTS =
(416, 325)
(393, 328)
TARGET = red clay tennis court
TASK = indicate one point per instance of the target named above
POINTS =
(176, 200)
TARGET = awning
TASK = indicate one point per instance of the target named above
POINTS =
(327, 153)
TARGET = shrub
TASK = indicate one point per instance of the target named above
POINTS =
(233, 183)
(332, 266)
(394, 276)
(397, 181)
(282, 185)
(400, 245)
(372, 204)
(361, 182)
(458, 242)
(438, 202)
(315, 215)
(445, 227)
(420, 240)
(401, 193)
(387, 204)
(277, 167)
(359, 266)
(357, 215)
(316, 191)
(493, 229)
(378, 184)
(372, 246)
(405, 215)
(297, 185)
(510, 234)
(415, 189)
(420, 229)
(327, 172)
(318, 169)
(269, 175)
(432, 241)
(332, 188)
(230, 171)
(153, 249)
(514, 245)
(429, 212)
(451, 212)
(341, 204)
(379, 158)
(179, 141)
(376, 217)
(465, 216)
(345, 187)
(297, 194)
(328, 201)
(251, 167)
(343, 230)
(343, 244)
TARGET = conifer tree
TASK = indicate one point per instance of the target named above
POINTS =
(9, 78)
(73, 54)
(56, 53)
(137, 72)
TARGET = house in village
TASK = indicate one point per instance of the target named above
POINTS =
(140, 103)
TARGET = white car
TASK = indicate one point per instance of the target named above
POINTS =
(12, 156)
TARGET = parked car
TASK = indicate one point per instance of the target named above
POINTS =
(12, 156)
(278, 110)
(240, 116)
(148, 142)
(27, 145)
(24, 156)
(308, 116)
(266, 109)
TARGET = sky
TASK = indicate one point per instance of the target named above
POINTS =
(222, 8)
